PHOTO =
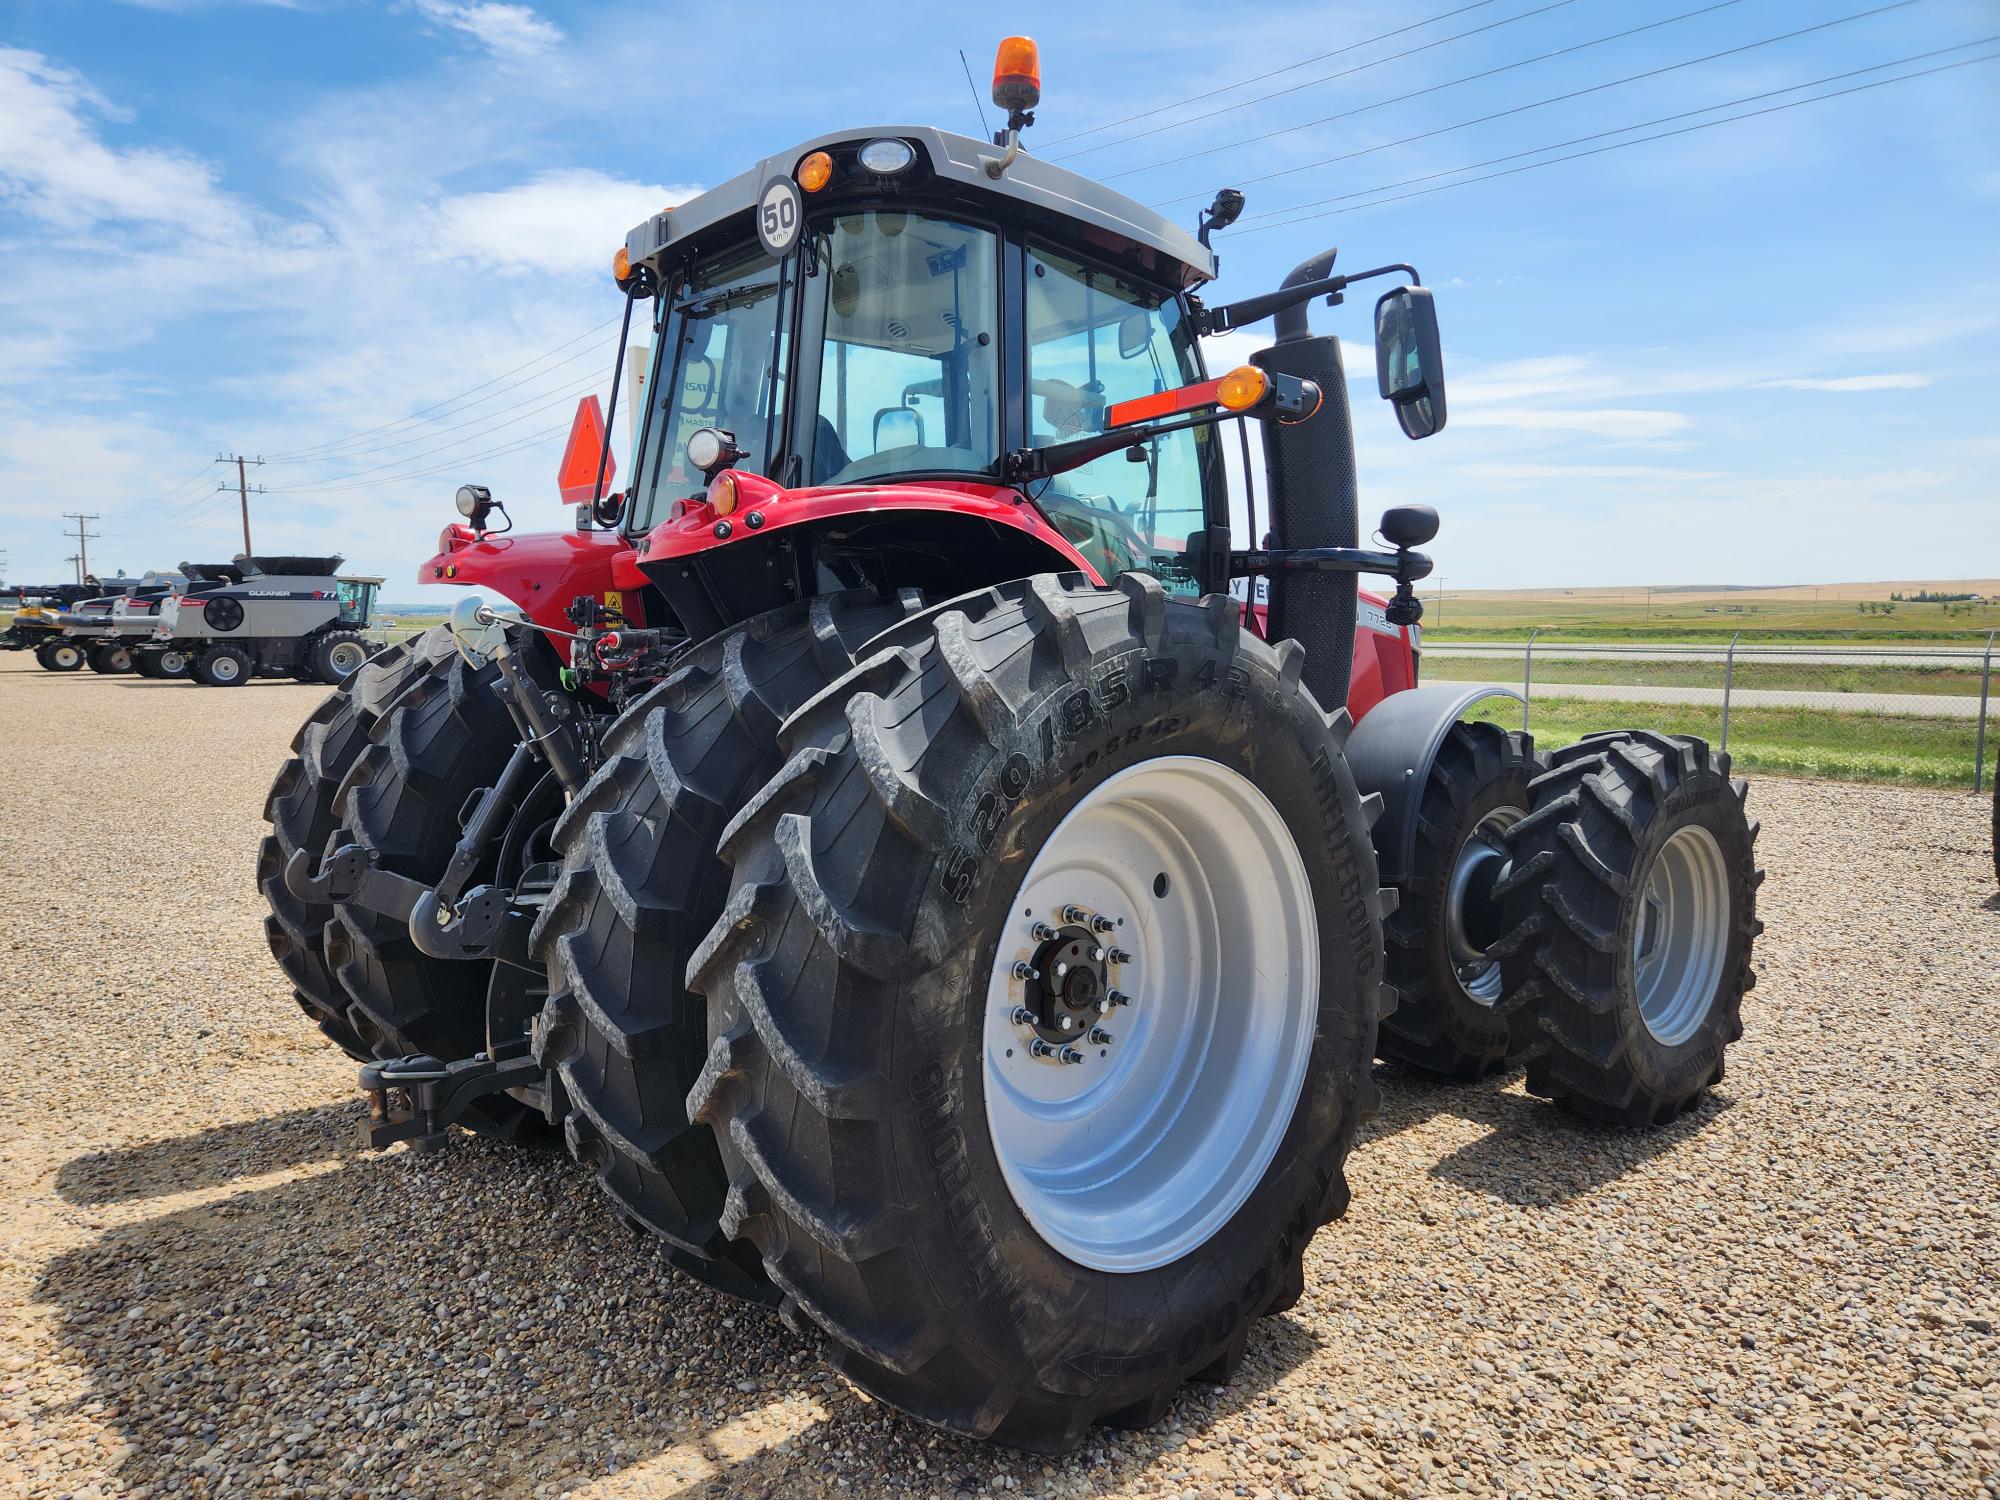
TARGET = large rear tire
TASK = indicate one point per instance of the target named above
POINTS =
(446, 736)
(224, 666)
(338, 655)
(1447, 983)
(641, 886)
(300, 812)
(875, 1099)
(1631, 909)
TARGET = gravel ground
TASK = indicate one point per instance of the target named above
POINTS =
(205, 1289)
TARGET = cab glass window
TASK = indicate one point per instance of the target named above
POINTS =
(1096, 338)
(723, 367)
(908, 366)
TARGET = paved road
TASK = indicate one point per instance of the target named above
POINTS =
(1809, 656)
(1930, 705)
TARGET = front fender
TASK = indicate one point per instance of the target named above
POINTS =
(1392, 750)
(540, 571)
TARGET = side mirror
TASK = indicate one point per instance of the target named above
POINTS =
(1135, 335)
(1405, 526)
(1409, 363)
(898, 427)
(479, 629)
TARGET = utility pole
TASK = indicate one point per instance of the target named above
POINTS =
(74, 558)
(82, 542)
(243, 491)
(1438, 604)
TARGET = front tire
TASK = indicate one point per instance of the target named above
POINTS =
(861, 989)
(338, 655)
(59, 656)
(111, 661)
(1447, 982)
(1632, 910)
(224, 666)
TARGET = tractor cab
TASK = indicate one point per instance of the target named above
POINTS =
(357, 599)
(876, 321)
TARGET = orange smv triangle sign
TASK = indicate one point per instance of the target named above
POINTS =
(577, 478)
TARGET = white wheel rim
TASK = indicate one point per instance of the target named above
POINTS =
(224, 669)
(1681, 939)
(172, 661)
(1469, 915)
(68, 655)
(344, 658)
(1136, 1156)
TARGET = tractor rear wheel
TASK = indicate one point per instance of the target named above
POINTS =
(111, 660)
(59, 656)
(1447, 982)
(300, 812)
(1047, 803)
(224, 666)
(445, 737)
(1631, 909)
(641, 886)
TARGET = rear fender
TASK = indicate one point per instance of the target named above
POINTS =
(1392, 750)
(540, 571)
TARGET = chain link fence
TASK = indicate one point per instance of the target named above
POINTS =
(1910, 714)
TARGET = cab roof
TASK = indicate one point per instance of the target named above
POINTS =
(958, 161)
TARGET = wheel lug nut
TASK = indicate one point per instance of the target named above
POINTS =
(1044, 933)
(1025, 970)
(1101, 924)
(1120, 956)
(1024, 1017)
(1065, 1023)
(1066, 1054)
(1119, 997)
(1097, 955)
(1070, 1055)
(1104, 1007)
(1075, 914)
(1099, 1037)
(1061, 969)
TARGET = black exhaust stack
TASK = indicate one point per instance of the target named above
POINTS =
(1314, 498)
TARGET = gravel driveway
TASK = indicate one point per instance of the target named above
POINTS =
(204, 1288)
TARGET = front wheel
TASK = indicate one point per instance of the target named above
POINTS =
(1631, 907)
(223, 666)
(1042, 1009)
(111, 660)
(337, 656)
(59, 656)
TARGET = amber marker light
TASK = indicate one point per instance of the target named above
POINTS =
(1242, 388)
(1017, 74)
(621, 266)
(816, 171)
(722, 493)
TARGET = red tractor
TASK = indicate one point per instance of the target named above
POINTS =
(906, 874)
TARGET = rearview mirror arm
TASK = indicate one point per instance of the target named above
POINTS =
(1251, 309)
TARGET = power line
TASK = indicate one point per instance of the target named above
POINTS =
(1456, 36)
(588, 383)
(1614, 146)
(442, 447)
(527, 442)
(978, 103)
(449, 400)
(1305, 62)
(1594, 88)
(242, 490)
(1451, 83)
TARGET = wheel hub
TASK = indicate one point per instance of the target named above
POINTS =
(1067, 987)
(1472, 917)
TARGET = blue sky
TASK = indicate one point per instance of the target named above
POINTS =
(1763, 352)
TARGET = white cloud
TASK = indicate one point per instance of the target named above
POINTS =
(1611, 423)
(563, 221)
(1901, 382)
(54, 167)
(511, 31)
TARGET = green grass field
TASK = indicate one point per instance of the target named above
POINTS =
(1707, 615)
(1784, 741)
(1644, 672)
